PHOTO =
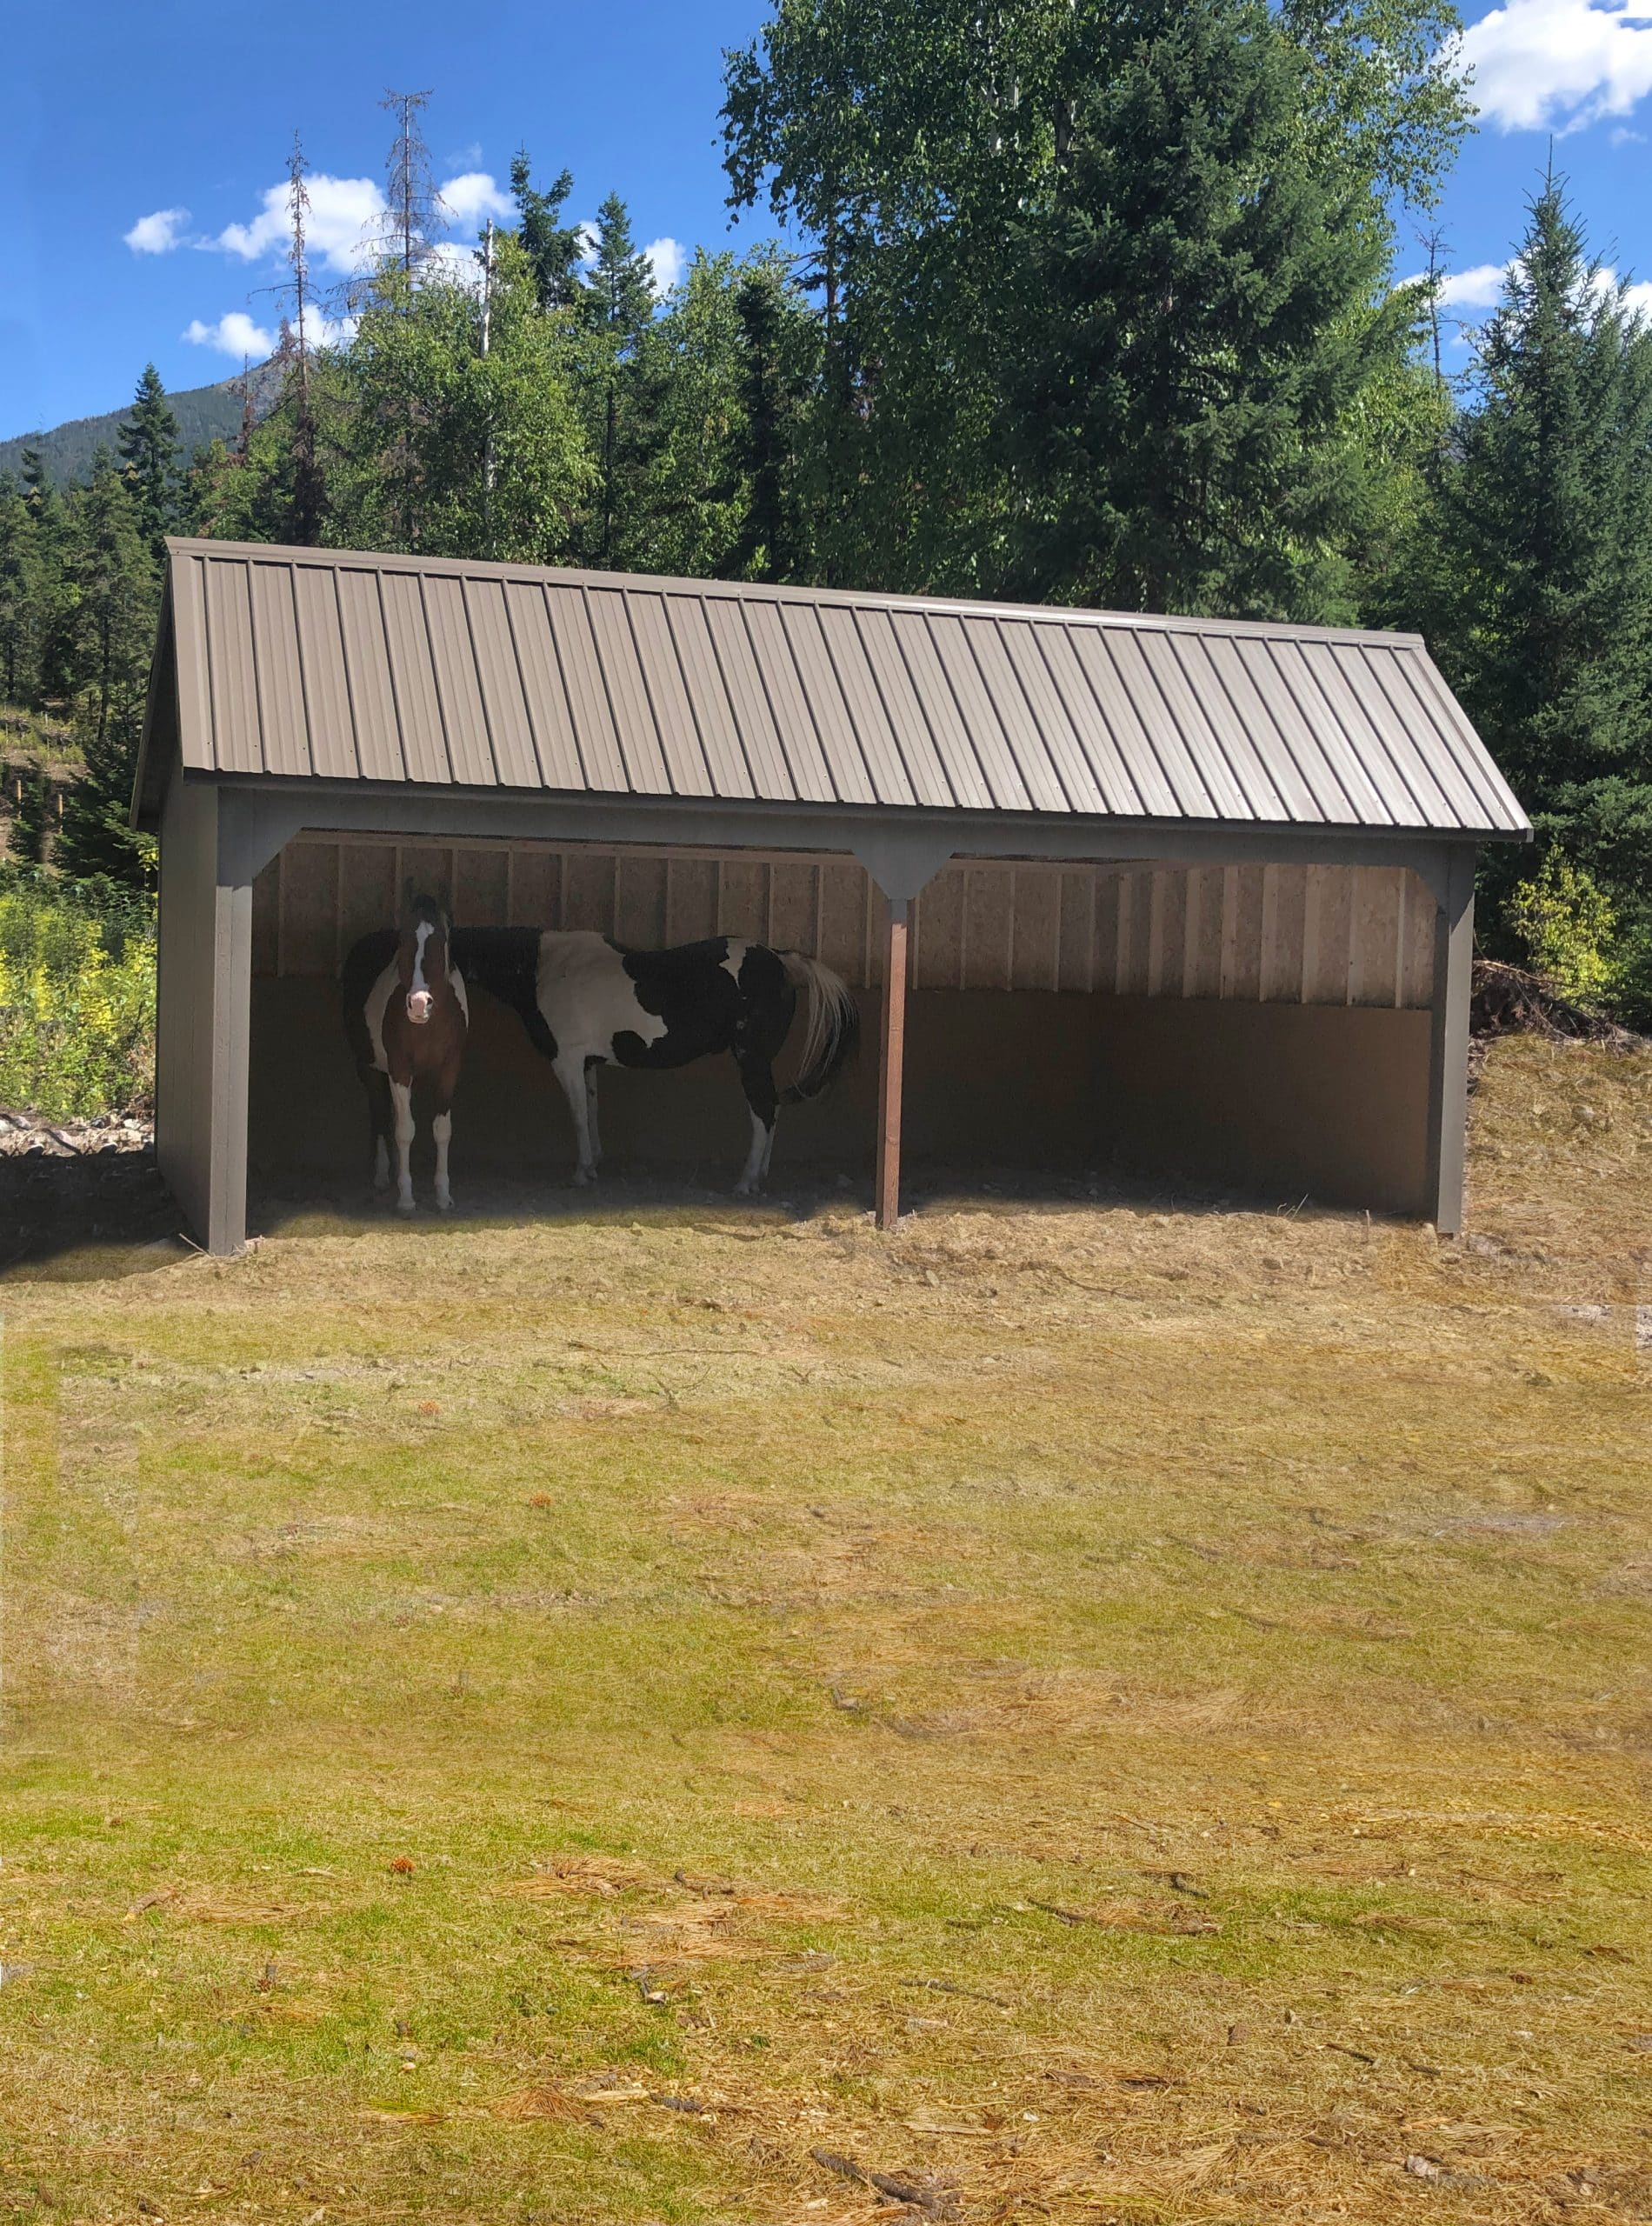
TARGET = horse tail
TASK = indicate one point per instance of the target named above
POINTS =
(831, 1029)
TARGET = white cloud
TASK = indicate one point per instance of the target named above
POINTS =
(1559, 64)
(474, 195)
(344, 214)
(1481, 287)
(666, 258)
(158, 233)
(234, 334)
(1477, 289)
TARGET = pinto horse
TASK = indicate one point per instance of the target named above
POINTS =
(587, 1003)
(407, 1016)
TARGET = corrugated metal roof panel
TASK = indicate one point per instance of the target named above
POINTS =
(304, 663)
(328, 718)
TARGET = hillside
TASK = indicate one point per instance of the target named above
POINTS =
(204, 414)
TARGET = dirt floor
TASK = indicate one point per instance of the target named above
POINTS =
(1109, 1709)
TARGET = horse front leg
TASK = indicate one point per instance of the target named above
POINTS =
(402, 1100)
(764, 1101)
(571, 1075)
(447, 1081)
(591, 1128)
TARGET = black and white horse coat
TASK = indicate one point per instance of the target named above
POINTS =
(587, 1003)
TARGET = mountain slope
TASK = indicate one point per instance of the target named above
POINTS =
(204, 414)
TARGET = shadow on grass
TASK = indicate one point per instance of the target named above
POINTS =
(101, 1215)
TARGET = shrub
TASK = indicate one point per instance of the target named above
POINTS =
(77, 997)
(1567, 925)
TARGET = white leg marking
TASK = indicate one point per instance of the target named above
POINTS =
(769, 1149)
(442, 1130)
(381, 1164)
(402, 1098)
(571, 1075)
(591, 1116)
(756, 1160)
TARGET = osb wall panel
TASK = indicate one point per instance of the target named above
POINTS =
(1273, 935)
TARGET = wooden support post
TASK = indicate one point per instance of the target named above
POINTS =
(892, 1052)
(1448, 1041)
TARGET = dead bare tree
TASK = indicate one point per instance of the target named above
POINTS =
(309, 490)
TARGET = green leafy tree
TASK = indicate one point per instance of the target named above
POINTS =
(439, 448)
(148, 441)
(918, 146)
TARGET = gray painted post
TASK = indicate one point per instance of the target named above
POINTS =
(1448, 1040)
(205, 1018)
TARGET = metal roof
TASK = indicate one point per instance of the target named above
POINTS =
(307, 663)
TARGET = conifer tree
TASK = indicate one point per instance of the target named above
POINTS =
(1202, 309)
(1532, 569)
(113, 575)
(554, 249)
(20, 599)
(775, 365)
(619, 301)
(148, 441)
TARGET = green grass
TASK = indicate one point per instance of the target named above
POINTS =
(393, 1614)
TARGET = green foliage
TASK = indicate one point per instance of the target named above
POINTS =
(30, 804)
(77, 997)
(924, 152)
(1566, 923)
(148, 445)
(553, 249)
(204, 414)
(617, 302)
(1201, 313)
(420, 413)
(1531, 570)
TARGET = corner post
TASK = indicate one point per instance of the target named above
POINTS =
(890, 1064)
(1448, 1114)
(212, 846)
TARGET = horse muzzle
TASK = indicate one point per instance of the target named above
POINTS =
(420, 1005)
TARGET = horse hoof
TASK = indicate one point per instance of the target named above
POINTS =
(584, 1177)
(406, 1208)
(444, 1205)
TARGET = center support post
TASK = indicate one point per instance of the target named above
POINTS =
(891, 1057)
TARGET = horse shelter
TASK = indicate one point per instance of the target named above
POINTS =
(1198, 892)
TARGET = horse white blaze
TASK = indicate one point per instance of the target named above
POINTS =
(402, 1099)
(420, 1003)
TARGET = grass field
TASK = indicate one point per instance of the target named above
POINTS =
(1070, 1712)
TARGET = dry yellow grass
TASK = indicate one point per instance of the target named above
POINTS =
(1067, 1713)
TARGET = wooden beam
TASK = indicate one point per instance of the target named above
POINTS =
(892, 1054)
(1448, 1042)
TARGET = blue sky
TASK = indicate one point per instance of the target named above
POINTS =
(141, 147)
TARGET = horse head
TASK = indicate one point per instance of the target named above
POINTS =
(421, 956)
